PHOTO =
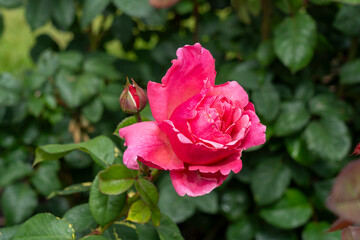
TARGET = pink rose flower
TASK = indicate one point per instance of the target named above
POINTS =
(200, 129)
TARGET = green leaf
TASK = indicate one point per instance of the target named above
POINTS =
(304, 90)
(121, 230)
(38, 12)
(139, 212)
(15, 171)
(45, 178)
(110, 96)
(156, 216)
(48, 63)
(71, 60)
(147, 232)
(18, 203)
(91, 9)
(265, 53)
(234, 204)
(208, 203)
(350, 72)
(346, 20)
(94, 237)
(104, 208)
(168, 198)
(76, 188)
(94, 110)
(45, 226)
(328, 104)
(267, 101)
(81, 219)
(134, 8)
(11, 3)
(168, 229)
(102, 65)
(289, 7)
(8, 232)
(72, 90)
(245, 74)
(101, 149)
(299, 151)
(292, 211)
(270, 180)
(36, 105)
(295, 39)
(317, 231)
(292, 118)
(9, 90)
(270, 233)
(147, 191)
(64, 13)
(243, 229)
(329, 138)
(116, 179)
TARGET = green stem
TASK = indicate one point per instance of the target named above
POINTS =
(138, 117)
(266, 20)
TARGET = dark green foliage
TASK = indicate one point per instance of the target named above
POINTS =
(299, 63)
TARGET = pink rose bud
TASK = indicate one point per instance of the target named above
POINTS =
(133, 99)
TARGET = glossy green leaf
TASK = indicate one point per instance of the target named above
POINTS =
(94, 237)
(265, 53)
(48, 63)
(346, 20)
(289, 7)
(45, 226)
(243, 229)
(168, 229)
(147, 232)
(71, 60)
(7, 232)
(18, 203)
(104, 208)
(64, 13)
(294, 41)
(134, 8)
(38, 12)
(9, 89)
(329, 138)
(72, 90)
(317, 231)
(148, 192)
(15, 171)
(94, 110)
(76, 188)
(292, 118)
(116, 179)
(139, 212)
(234, 204)
(10, 3)
(91, 9)
(298, 150)
(208, 203)
(168, 198)
(267, 101)
(46, 179)
(101, 149)
(123, 230)
(102, 65)
(350, 72)
(328, 104)
(156, 216)
(293, 210)
(245, 74)
(81, 219)
(270, 180)
(124, 123)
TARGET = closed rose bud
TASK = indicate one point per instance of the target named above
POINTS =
(133, 99)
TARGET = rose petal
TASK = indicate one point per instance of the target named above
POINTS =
(256, 134)
(231, 163)
(194, 183)
(184, 79)
(232, 91)
(193, 153)
(146, 142)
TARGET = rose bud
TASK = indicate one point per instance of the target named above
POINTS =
(133, 99)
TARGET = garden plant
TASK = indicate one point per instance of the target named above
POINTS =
(181, 119)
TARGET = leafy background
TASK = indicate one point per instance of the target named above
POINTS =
(63, 66)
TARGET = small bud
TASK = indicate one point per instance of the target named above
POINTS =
(133, 99)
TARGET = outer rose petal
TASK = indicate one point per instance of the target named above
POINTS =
(184, 79)
(233, 91)
(194, 183)
(146, 141)
(256, 134)
(188, 152)
(231, 163)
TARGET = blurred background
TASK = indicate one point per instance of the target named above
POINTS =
(63, 66)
